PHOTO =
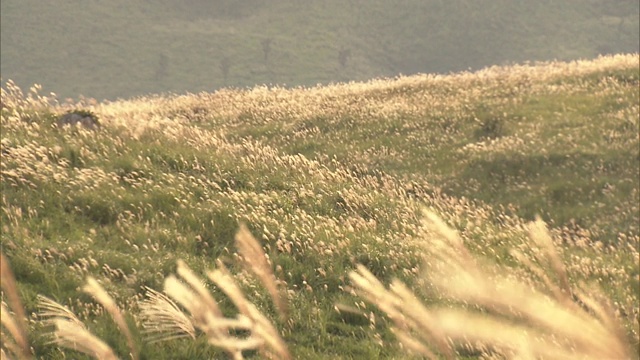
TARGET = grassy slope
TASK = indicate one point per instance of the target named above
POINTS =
(126, 48)
(327, 177)
(512, 141)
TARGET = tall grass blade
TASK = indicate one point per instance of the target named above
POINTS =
(100, 295)
(15, 324)
(162, 318)
(515, 319)
(255, 260)
(68, 331)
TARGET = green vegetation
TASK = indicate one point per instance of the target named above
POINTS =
(119, 49)
(325, 178)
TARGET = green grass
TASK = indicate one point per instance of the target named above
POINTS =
(325, 178)
(427, 147)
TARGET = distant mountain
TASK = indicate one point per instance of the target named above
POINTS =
(126, 48)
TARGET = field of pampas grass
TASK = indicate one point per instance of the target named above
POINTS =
(491, 311)
(475, 215)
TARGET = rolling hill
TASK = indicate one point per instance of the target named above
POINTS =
(331, 180)
(121, 49)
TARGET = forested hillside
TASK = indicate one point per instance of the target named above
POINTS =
(118, 49)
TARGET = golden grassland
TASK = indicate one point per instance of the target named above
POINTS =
(333, 182)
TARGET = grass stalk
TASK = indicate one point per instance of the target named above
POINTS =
(14, 323)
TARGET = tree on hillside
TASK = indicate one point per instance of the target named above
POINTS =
(225, 65)
(343, 56)
(266, 48)
(161, 70)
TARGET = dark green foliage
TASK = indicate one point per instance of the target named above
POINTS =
(127, 171)
(212, 230)
(99, 210)
(73, 155)
(490, 128)
(490, 122)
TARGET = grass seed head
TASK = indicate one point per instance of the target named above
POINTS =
(517, 320)
(255, 260)
(94, 289)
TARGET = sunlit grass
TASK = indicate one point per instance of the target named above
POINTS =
(324, 178)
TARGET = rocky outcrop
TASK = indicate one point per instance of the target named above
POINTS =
(83, 118)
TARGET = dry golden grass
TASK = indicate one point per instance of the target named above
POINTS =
(220, 330)
(188, 290)
(14, 323)
(255, 260)
(94, 289)
(201, 158)
(67, 331)
(484, 307)
(162, 318)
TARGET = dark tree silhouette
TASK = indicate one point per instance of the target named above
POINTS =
(161, 71)
(343, 56)
(266, 48)
(225, 65)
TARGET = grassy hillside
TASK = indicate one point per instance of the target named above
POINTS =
(128, 48)
(326, 178)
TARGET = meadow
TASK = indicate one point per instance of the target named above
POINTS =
(487, 214)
